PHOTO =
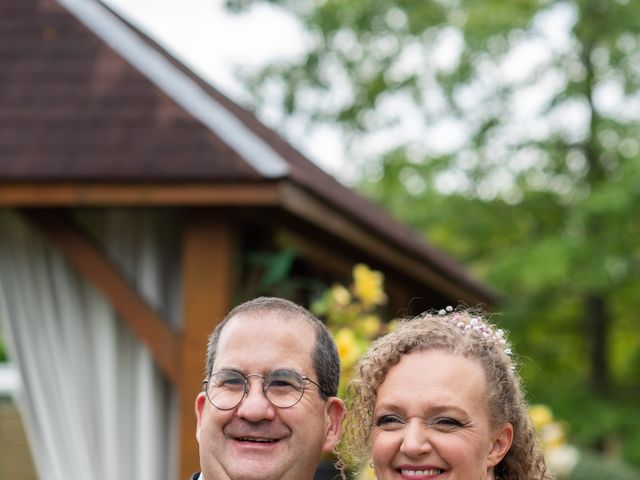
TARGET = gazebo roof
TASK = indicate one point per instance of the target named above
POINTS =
(89, 100)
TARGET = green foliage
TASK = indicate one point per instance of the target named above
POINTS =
(272, 272)
(608, 424)
(275, 265)
(592, 467)
(543, 204)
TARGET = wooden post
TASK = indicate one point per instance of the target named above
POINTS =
(207, 256)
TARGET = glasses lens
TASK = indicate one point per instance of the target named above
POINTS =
(284, 388)
(226, 389)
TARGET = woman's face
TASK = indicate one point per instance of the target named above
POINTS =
(431, 421)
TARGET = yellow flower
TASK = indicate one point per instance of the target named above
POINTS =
(561, 457)
(367, 473)
(562, 460)
(369, 326)
(540, 415)
(340, 295)
(393, 324)
(368, 285)
(348, 349)
(552, 435)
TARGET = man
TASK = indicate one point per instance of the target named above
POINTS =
(269, 408)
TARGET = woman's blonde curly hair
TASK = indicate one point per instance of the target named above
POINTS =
(464, 333)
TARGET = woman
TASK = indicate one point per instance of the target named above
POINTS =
(439, 397)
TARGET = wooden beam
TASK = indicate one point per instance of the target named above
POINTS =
(207, 264)
(406, 294)
(329, 259)
(113, 194)
(94, 265)
(305, 206)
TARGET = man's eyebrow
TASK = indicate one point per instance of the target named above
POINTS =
(285, 370)
(228, 369)
(278, 370)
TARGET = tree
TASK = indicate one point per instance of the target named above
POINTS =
(506, 131)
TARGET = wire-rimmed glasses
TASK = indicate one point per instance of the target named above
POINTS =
(283, 388)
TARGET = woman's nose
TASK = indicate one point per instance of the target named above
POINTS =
(415, 440)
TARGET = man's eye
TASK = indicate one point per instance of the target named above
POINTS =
(227, 380)
(284, 379)
(232, 381)
(281, 384)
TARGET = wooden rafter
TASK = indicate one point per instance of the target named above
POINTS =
(94, 265)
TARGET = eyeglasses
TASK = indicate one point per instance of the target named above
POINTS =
(226, 389)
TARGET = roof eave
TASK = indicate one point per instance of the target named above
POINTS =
(416, 260)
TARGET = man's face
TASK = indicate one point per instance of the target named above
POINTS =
(255, 440)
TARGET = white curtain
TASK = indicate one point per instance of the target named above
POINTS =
(94, 404)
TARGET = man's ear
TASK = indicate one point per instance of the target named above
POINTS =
(201, 400)
(334, 415)
(502, 439)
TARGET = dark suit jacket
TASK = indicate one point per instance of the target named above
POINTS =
(195, 476)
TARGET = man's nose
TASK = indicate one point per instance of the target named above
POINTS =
(255, 406)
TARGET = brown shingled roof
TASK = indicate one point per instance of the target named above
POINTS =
(71, 108)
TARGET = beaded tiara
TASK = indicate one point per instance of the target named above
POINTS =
(474, 323)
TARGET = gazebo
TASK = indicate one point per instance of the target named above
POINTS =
(137, 205)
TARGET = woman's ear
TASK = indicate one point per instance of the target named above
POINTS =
(502, 439)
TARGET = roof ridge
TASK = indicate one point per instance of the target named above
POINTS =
(178, 85)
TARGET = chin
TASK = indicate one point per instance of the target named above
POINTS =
(255, 470)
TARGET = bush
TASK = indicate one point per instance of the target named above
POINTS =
(594, 467)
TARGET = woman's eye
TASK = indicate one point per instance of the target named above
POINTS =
(387, 420)
(447, 422)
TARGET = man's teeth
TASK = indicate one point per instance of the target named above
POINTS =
(254, 439)
(418, 473)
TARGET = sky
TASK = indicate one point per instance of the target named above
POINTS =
(214, 43)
